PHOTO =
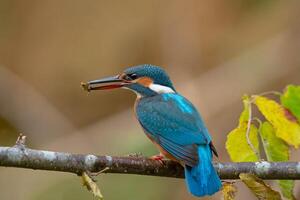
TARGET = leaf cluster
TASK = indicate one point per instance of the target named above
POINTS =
(277, 132)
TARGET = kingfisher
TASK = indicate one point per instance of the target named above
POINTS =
(171, 122)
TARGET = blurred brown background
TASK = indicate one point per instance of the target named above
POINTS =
(215, 51)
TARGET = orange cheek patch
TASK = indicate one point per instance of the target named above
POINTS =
(145, 81)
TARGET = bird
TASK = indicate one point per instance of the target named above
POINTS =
(171, 122)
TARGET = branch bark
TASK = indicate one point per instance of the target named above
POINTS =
(22, 157)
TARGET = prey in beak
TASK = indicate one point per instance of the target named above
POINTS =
(105, 83)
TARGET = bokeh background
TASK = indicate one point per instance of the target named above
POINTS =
(215, 51)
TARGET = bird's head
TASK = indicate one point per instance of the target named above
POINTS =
(145, 80)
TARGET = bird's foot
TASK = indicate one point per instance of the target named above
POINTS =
(159, 158)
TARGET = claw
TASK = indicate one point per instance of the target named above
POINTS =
(158, 158)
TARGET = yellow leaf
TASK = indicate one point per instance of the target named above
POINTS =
(261, 190)
(237, 146)
(244, 117)
(91, 186)
(286, 129)
(229, 191)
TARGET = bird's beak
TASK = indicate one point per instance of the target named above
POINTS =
(104, 83)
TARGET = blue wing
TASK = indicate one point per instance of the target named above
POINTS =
(174, 123)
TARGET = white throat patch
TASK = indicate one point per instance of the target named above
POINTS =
(160, 89)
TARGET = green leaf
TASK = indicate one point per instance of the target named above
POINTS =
(237, 145)
(91, 186)
(285, 128)
(287, 187)
(261, 190)
(276, 150)
(229, 190)
(291, 100)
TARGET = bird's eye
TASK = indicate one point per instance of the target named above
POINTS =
(128, 77)
(132, 76)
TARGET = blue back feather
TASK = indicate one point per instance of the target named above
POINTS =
(181, 123)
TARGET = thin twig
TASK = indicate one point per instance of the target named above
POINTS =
(270, 92)
(248, 130)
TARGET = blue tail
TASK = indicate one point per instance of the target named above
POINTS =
(202, 179)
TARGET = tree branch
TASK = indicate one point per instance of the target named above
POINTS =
(21, 157)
